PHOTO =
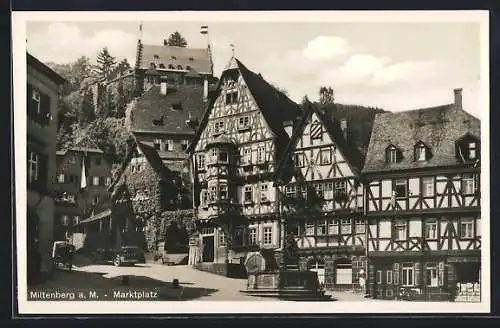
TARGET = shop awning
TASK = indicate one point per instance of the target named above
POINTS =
(98, 216)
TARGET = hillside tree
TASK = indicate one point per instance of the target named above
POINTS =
(176, 40)
(326, 96)
(105, 63)
(87, 109)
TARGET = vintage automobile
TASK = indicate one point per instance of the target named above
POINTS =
(62, 255)
(125, 255)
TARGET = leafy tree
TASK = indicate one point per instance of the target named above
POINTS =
(326, 95)
(177, 40)
(121, 101)
(105, 63)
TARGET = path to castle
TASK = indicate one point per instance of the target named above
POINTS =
(195, 285)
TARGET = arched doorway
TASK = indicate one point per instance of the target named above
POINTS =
(318, 266)
(343, 272)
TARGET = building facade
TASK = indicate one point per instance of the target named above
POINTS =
(234, 156)
(78, 199)
(322, 195)
(422, 203)
(42, 100)
(173, 85)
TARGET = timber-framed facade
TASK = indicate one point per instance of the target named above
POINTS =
(234, 156)
(321, 194)
(422, 205)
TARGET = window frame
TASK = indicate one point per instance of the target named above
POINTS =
(200, 163)
(407, 273)
(221, 160)
(397, 226)
(95, 181)
(36, 95)
(252, 236)
(388, 277)
(400, 182)
(429, 281)
(61, 178)
(466, 179)
(247, 191)
(378, 277)
(424, 186)
(329, 156)
(261, 154)
(267, 233)
(244, 122)
(33, 167)
(299, 159)
(333, 224)
(469, 223)
(433, 223)
(264, 190)
(420, 150)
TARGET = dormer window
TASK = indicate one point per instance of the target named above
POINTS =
(152, 65)
(191, 59)
(472, 150)
(170, 66)
(173, 57)
(179, 67)
(393, 155)
(188, 68)
(422, 152)
(468, 148)
(162, 66)
(156, 56)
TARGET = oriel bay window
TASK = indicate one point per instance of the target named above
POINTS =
(223, 192)
(321, 229)
(264, 197)
(247, 197)
(333, 227)
(252, 236)
(309, 226)
(268, 235)
(345, 226)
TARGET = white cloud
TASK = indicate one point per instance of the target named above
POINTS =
(325, 48)
(64, 43)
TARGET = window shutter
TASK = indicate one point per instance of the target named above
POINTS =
(418, 274)
(44, 108)
(395, 278)
(441, 274)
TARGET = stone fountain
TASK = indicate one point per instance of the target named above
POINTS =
(268, 278)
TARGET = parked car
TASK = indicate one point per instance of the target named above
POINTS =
(62, 255)
(125, 255)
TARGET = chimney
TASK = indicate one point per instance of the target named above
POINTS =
(458, 98)
(205, 89)
(163, 87)
(288, 126)
(343, 127)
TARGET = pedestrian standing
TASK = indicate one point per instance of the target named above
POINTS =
(362, 281)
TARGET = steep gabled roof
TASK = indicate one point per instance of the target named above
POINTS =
(152, 105)
(151, 156)
(196, 58)
(46, 70)
(347, 146)
(276, 107)
(438, 127)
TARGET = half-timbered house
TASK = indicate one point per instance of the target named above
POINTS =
(423, 204)
(234, 155)
(322, 194)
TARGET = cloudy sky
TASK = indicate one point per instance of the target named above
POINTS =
(395, 66)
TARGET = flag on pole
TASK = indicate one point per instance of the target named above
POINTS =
(204, 29)
(83, 182)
